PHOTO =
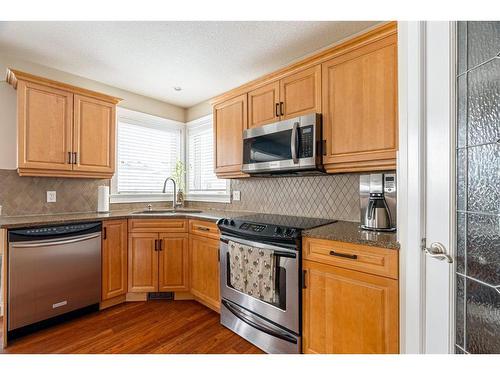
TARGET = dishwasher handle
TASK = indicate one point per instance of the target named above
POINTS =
(54, 242)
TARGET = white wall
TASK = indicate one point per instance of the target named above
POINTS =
(8, 143)
(199, 110)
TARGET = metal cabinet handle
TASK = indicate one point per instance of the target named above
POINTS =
(437, 251)
(281, 108)
(156, 245)
(304, 272)
(104, 233)
(161, 244)
(342, 255)
(75, 158)
(203, 229)
(70, 159)
(277, 109)
(293, 142)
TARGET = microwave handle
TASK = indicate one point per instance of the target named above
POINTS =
(294, 143)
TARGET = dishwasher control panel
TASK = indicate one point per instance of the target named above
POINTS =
(66, 230)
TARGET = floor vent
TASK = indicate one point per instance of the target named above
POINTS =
(161, 295)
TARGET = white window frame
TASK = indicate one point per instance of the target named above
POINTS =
(221, 197)
(146, 120)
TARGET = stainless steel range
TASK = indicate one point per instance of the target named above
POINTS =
(260, 260)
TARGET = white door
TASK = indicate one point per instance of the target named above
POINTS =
(425, 181)
(439, 187)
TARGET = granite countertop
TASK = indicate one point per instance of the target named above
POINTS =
(11, 222)
(343, 231)
(346, 231)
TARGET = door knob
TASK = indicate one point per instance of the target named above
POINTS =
(437, 251)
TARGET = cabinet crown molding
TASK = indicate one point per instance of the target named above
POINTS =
(13, 76)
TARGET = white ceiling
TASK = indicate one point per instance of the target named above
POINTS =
(150, 58)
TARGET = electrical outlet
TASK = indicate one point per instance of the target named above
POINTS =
(51, 196)
(236, 195)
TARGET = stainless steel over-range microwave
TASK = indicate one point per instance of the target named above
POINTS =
(291, 146)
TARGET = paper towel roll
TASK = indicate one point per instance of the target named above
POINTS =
(103, 199)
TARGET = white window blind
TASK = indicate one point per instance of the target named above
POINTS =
(201, 178)
(147, 154)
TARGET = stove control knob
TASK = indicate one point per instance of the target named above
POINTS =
(225, 222)
(231, 223)
(288, 232)
(278, 231)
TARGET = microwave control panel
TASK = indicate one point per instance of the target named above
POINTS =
(306, 141)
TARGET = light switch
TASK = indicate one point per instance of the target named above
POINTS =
(51, 196)
(236, 195)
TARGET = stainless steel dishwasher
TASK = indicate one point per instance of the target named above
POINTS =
(52, 271)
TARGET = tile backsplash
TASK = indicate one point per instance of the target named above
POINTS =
(28, 195)
(328, 196)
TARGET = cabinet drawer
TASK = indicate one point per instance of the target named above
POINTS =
(157, 225)
(204, 228)
(374, 260)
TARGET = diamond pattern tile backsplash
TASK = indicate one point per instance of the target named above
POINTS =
(28, 195)
(329, 196)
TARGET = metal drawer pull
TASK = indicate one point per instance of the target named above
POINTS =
(342, 255)
(203, 228)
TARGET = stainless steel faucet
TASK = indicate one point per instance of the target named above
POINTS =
(174, 201)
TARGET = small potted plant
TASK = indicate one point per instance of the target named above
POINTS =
(179, 176)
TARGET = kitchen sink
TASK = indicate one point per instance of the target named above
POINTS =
(167, 211)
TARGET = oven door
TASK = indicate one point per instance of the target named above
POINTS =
(283, 146)
(285, 311)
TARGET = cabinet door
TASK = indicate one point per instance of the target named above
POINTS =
(45, 122)
(300, 93)
(173, 274)
(263, 105)
(114, 259)
(142, 262)
(230, 119)
(94, 135)
(348, 311)
(204, 270)
(360, 108)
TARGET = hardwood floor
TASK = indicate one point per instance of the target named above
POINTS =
(138, 327)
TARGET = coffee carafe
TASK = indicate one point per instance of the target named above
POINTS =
(378, 201)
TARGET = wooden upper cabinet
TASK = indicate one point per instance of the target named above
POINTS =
(44, 127)
(63, 130)
(349, 312)
(230, 120)
(264, 105)
(94, 135)
(300, 93)
(142, 262)
(173, 274)
(360, 108)
(114, 259)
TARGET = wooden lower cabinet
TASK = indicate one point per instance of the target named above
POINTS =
(204, 270)
(114, 259)
(142, 262)
(173, 273)
(347, 311)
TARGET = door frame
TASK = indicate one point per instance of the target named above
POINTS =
(411, 171)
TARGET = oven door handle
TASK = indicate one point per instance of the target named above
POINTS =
(283, 250)
(281, 334)
(293, 142)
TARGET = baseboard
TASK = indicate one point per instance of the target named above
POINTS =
(112, 302)
(182, 296)
(136, 297)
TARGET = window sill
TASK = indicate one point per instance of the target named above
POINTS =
(138, 198)
(215, 198)
(135, 198)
